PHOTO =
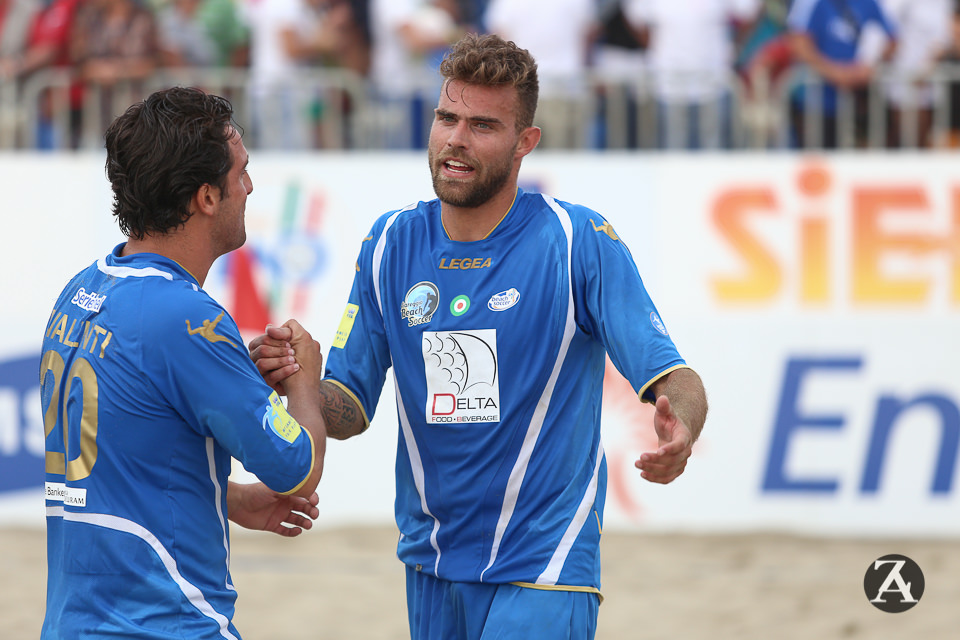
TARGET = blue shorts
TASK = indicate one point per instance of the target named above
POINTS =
(443, 610)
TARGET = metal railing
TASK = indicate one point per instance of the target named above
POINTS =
(328, 109)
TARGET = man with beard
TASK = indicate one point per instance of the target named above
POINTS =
(496, 308)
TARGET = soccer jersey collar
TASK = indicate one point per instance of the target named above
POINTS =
(146, 260)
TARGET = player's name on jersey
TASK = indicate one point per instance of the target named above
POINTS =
(464, 263)
(72, 333)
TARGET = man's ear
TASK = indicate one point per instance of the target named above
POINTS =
(206, 199)
(529, 138)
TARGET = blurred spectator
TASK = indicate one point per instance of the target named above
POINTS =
(338, 38)
(559, 34)
(951, 60)
(48, 46)
(16, 16)
(280, 107)
(337, 41)
(114, 46)
(836, 41)
(408, 39)
(691, 55)
(289, 37)
(619, 63)
(769, 27)
(924, 37)
(184, 39)
(763, 62)
(15, 19)
(221, 19)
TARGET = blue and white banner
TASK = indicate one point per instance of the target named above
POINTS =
(818, 297)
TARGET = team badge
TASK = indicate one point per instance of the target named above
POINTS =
(420, 303)
(503, 300)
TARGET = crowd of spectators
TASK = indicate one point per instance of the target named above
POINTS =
(703, 72)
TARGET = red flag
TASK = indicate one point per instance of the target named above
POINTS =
(248, 307)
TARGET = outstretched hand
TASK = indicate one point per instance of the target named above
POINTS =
(675, 445)
(255, 506)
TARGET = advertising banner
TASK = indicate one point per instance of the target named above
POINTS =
(818, 297)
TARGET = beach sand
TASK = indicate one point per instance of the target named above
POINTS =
(347, 583)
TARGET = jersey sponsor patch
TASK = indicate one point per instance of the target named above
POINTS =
(420, 303)
(503, 300)
(276, 418)
(69, 496)
(463, 381)
(88, 301)
(346, 325)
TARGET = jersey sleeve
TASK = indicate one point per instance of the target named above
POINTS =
(613, 306)
(201, 364)
(359, 356)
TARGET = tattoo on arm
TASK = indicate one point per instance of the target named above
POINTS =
(340, 413)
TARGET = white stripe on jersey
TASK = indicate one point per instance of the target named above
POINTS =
(551, 574)
(536, 423)
(192, 593)
(413, 453)
(131, 272)
(416, 467)
(378, 254)
(218, 493)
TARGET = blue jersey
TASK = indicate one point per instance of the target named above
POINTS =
(498, 350)
(836, 28)
(147, 391)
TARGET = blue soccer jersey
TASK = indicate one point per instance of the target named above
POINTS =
(498, 350)
(147, 391)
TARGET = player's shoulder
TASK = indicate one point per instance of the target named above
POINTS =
(582, 218)
(408, 219)
(171, 309)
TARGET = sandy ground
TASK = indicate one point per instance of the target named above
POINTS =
(347, 584)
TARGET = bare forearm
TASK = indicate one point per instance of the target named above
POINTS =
(344, 419)
(685, 391)
(303, 407)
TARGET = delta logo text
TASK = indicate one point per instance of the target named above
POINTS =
(462, 376)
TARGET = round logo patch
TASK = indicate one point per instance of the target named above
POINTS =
(420, 303)
(503, 300)
(459, 305)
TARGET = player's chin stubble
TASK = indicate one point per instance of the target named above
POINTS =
(468, 194)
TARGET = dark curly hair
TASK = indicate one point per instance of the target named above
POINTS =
(160, 151)
(490, 60)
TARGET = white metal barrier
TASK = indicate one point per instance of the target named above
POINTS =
(332, 109)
